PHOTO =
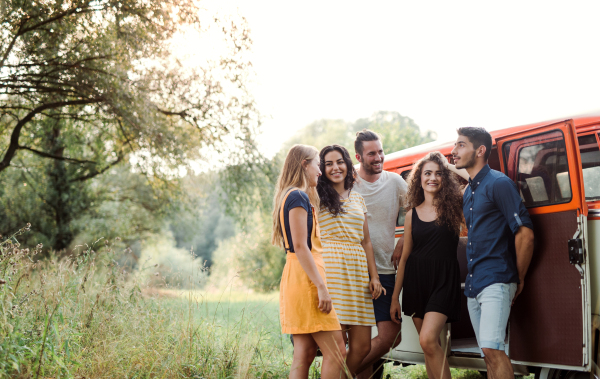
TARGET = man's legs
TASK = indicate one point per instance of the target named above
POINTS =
(489, 313)
(388, 337)
(498, 364)
(388, 332)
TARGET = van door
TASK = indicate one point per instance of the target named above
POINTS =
(550, 320)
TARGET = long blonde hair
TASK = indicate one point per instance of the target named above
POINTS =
(293, 175)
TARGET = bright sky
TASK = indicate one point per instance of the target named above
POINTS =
(445, 64)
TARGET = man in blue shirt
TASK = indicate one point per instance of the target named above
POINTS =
(499, 247)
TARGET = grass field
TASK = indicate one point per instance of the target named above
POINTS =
(84, 316)
(228, 309)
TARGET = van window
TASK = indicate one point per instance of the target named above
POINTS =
(542, 174)
(590, 164)
(494, 160)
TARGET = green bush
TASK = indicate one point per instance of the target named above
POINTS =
(263, 264)
(250, 255)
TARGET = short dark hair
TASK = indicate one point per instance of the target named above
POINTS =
(362, 136)
(477, 136)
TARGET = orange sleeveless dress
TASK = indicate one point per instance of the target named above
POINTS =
(298, 297)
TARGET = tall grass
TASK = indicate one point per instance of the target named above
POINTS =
(83, 315)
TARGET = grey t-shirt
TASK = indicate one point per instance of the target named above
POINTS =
(383, 198)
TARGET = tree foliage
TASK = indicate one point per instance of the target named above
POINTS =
(397, 132)
(321, 133)
(100, 116)
(107, 67)
(199, 222)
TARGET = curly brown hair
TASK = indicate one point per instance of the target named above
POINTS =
(447, 202)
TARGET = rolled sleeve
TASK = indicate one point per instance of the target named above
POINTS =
(510, 204)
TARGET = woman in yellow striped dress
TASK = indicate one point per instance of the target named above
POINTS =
(352, 278)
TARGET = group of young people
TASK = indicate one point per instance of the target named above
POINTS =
(344, 273)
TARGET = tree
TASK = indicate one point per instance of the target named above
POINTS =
(397, 132)
(200, 221)
(87, 85)
(107, 65)
(321, 133)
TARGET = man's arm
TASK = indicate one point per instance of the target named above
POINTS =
(397, 252)
(402, 190)
(524, 249)
(458, 171)
(509, 202)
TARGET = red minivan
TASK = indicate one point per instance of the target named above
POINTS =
(554, 326)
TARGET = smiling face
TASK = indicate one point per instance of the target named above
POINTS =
(372, 157)
(313, 171)
(431, 177)
(335, 167)
(464, 153)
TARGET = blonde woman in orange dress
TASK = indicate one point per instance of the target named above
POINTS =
(305, 306)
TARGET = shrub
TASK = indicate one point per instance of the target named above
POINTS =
(250, 255)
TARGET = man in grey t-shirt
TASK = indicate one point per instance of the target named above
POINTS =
(384, 193)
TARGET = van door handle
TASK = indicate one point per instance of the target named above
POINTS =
(575, 251)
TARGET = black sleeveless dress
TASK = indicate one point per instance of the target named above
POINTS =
(432, 276)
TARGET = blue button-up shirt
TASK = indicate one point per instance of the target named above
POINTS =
(494, 212)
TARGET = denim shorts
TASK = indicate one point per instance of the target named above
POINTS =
(489, 313)
(382, 305)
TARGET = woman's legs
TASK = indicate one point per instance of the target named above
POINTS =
(305, 350)
(359, 345)
(333, 348)
(429, 337)
(418, 325)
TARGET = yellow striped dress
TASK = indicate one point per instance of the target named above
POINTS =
(346, 262)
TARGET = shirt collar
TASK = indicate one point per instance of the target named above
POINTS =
(479, 177)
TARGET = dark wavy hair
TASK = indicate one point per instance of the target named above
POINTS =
(447, 202)
(329, 197)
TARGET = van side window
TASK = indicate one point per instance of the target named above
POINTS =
(402, 213)
(494, 160)
(590, 164)
(542, 174)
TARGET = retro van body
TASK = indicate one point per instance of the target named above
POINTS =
(554, 326)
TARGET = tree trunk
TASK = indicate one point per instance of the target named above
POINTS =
(59, 191)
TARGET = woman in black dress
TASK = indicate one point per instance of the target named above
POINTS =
(428, 268)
